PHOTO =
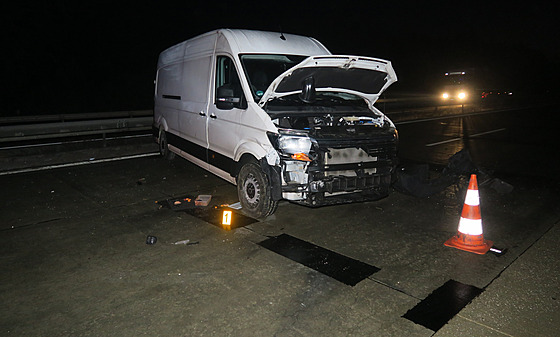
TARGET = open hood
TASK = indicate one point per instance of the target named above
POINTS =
(359, 75)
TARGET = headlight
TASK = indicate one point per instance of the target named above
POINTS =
(445, 95)
(462, 95)
(295, 145)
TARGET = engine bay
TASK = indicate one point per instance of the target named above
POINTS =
(322, 124)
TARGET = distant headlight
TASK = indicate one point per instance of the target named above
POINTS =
(445, 95)
(462, 95)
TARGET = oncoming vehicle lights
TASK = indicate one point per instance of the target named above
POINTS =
(460, 95)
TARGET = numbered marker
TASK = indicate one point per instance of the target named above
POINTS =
(226, 218)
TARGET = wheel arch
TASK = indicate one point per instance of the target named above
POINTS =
(162, 123)
(244, 159)
(245, 152)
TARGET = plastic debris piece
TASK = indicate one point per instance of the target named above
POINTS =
(501, 186)
(237, 205)
(177, 204)
(151, 240)
(186, 243)
(498, 251)
(202, 200)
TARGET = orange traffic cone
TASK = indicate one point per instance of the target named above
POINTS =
(469, 236)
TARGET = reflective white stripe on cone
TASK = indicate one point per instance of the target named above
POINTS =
(469, 236)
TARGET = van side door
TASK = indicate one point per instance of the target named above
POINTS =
(224, 114)
(193, 113)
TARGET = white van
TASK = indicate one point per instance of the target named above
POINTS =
(279, 116)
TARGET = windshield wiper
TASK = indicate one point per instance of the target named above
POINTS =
(286, 99)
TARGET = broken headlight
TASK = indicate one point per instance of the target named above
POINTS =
(292, 144)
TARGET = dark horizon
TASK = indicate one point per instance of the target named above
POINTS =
(90, 57)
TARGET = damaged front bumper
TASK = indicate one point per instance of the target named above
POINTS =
(340, 172)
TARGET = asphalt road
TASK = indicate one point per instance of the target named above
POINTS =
(513, 141)
(75, 261)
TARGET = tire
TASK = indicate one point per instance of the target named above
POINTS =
(164, 146)
(253, 190)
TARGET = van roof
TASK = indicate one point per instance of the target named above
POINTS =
(241, 41)
(255, 42)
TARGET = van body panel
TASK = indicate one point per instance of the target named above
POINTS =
(223, 130)
(250, 145)
(258, 42)
(202, 45)
(278, 115)
(253, 122)
(182, 94)
(193, 159)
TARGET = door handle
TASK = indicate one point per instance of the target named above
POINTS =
(202, 113)
(213, 116)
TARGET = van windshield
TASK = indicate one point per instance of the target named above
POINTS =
(262, 69)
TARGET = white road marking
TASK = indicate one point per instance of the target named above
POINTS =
(487, 132)
(450, 116)
(87, 162)
(72, 142)
(470, 136)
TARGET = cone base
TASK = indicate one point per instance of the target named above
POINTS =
(481, 249)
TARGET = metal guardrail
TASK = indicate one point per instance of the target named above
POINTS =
(73, 117)
(84, 124)
(68, 125)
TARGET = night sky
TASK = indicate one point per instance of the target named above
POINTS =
(91, 56)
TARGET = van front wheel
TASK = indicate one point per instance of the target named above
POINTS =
(253, 190)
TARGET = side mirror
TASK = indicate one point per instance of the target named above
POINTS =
(225, 99)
